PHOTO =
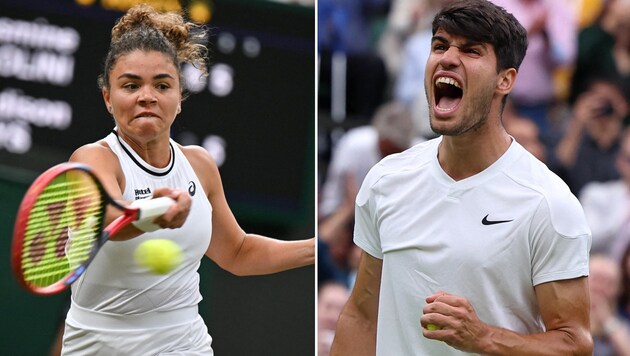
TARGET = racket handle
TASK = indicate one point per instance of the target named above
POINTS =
(148, 209)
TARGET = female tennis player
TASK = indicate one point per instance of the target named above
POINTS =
(118, 307)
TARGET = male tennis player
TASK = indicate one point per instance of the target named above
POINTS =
(470, 244)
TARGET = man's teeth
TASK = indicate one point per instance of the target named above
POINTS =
(446, 80)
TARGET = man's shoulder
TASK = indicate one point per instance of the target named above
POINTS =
(534, 175)
(528, 171)
(556, 199)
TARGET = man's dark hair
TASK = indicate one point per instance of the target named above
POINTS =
(483, 21)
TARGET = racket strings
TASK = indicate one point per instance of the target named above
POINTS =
(63, 227)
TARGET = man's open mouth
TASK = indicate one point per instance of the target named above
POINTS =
(448, 94)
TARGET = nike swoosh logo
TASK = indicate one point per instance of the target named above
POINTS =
(485, 221)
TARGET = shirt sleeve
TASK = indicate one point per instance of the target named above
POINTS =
(366, 234)
(560, 240)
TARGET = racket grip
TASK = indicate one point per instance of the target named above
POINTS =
(148, 209)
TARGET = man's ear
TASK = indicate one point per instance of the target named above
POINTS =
(506, 80)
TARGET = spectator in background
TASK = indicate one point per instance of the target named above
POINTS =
(345, 25)
(360, 148)
(526, 132)
(391, 131)
(590, 12)
(587, 149)
(611, 336)
(327, 268)
(345, 30)
(331, 297)
(604, 49)
(338, 257)
(607, 206)
(335, 235)
(404, 19)
(552, 28)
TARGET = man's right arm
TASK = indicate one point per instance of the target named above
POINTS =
(356, 328)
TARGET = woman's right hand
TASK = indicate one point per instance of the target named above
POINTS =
(177, 214)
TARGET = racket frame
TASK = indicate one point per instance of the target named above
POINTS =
(130, 214)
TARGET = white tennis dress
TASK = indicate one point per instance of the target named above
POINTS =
(490, 238)
(118, 307)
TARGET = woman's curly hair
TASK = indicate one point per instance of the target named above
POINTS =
(144, 28)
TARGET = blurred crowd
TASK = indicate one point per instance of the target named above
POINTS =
(569, 108)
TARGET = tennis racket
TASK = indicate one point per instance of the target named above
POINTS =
(59, 226)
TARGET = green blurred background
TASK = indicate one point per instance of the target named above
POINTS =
(256, 109)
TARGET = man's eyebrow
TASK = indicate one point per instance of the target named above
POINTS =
(438, 39)
(468, 43)
(472, 43)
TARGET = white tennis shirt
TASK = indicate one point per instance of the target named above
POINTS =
(490, 238)
(115, 292)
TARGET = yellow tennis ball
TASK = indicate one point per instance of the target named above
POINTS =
(432, 327)
(160, 256)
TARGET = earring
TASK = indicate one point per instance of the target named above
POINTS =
(109, 108)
